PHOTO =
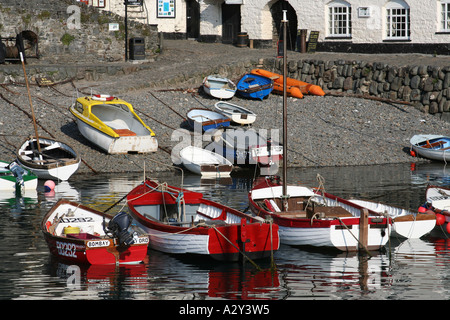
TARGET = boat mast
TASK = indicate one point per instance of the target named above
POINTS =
(31, 104)
(285, 196)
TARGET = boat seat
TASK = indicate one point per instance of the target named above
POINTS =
(124, 132)
(82, 235)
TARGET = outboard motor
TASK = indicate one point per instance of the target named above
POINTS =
(118, 226)
(18, 172)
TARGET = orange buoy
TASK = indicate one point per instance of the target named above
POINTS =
(303, 87)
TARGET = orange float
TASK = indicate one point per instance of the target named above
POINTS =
(295, 88)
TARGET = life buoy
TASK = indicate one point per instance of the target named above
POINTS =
(102, 97)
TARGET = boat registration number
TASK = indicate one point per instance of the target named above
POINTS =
(66, 249)
(262, 151)
(97, 243)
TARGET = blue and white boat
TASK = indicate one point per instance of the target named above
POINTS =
(434, 147)
(219, 87)
(207, 119)
(254, 86)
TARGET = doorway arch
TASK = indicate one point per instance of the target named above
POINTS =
(276, 11)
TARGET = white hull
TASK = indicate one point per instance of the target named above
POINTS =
(176, 242)
(205, 163)
(332, 237)
(220, 88)
(10, 185)
(440, 154)
(55, 168)
(59, 173)
(404, 229)
(236, 113)
(121, 145)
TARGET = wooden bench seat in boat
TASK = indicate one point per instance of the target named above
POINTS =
(124, 132)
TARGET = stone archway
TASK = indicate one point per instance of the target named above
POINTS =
(276, 10)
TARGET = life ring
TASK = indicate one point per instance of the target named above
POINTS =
(102, 97)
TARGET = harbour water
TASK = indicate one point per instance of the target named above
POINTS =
(408, 270)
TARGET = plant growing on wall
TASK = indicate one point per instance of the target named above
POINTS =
(66, 39)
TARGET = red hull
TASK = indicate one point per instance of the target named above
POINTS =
(85, 248)
(225, 241)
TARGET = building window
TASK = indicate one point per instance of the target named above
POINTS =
(397, 21)
(445, 16)
(339, 19)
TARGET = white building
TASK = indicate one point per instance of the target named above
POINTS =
(353, 25)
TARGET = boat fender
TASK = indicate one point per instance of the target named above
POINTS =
(440, 220)
(102, 97)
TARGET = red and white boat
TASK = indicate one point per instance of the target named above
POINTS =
(406, 224)
(181, 221)
(438, 200)
(306, 223)
(79, 234)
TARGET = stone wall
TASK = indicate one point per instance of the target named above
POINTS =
(69, 31)
(425, 87)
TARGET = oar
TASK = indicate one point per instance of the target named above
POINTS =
(31, 104)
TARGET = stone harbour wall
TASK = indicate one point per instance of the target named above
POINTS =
(425, 87)
(69, 31)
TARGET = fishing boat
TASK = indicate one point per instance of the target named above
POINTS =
(206, 119)
(305, 223)
(406, 224)
(180, 221)
(48, 158)
(205, 163)
(254, 86)
(15, 178)
(246, 147)
(237, 114)
(434, 147)
(294, 88)
(219, 87)
(438, 200)
(112, 124)
(82, 235)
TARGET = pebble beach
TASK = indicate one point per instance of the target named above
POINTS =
(329, 131)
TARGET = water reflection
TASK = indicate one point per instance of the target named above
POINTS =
(413, 269)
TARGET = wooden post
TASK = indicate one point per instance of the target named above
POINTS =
(363, 229)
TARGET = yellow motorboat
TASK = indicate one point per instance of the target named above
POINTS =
(112, 124)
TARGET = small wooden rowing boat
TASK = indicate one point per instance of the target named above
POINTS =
(406, 224)
(219, 87)
(181, 221)
(206, 119)
(83, 235)
(205, 163)
(295, 88)
(434, 147)
(303, 222)
(15, 178)
(112, 124)
(254, 86)
(236, 113)
(48, 159)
